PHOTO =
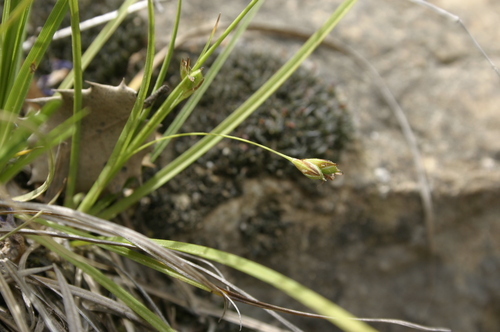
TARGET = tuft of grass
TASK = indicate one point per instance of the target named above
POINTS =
(86, 238)
(232, 121)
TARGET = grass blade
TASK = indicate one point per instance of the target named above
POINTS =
(21, 84)
(101, 300)
(116, 160)
(13, 305)
(53, 138)
(72, 315)
(171, 46)
(104, 281)
(219, 40)
(31, 294)
(77, 101)
(12, 33)
(212, 73)
(311, 299)
(178, 94)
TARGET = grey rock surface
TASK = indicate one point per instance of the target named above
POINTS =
(361, 240)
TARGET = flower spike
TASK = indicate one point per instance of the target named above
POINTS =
(317, 169)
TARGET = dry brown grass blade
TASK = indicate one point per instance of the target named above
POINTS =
(33, 271)
(13, 305)
(88, 223)
(72, 315)
(33, 296)
(124, 275)
(68, 237)
(170, 258)
(243, 299)
(458, 20)
(118, 308)
(6, 319)
(205, 308)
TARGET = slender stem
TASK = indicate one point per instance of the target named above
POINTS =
(77, 101)
(212, 134)
(231, 27)
(212, 73)
(25, 74)
(168, 57)
(171, 46)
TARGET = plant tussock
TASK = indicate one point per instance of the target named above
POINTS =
(74, 269)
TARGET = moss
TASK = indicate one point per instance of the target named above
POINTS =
(262, 232)
(304, 118)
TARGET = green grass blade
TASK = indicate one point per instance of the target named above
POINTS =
(116, 160)
(8, 20)
(212, 73)
(231, 122)
(98, 42)
(151, 263)
(77, 101)
(21, 85)
(104, 281)
(219, 40)
(47, 141)
(12, 34)
(179, 93)
(18, 141)
(44, 186)
(166, 63)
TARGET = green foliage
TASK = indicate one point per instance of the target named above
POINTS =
(16, 75)
(232, 121)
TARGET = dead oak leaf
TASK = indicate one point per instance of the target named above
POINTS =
(109, 108)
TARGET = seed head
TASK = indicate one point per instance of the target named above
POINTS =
(317, 169)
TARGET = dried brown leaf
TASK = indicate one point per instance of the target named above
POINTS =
(109, 108)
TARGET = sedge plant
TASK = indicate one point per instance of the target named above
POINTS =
(84, 225)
